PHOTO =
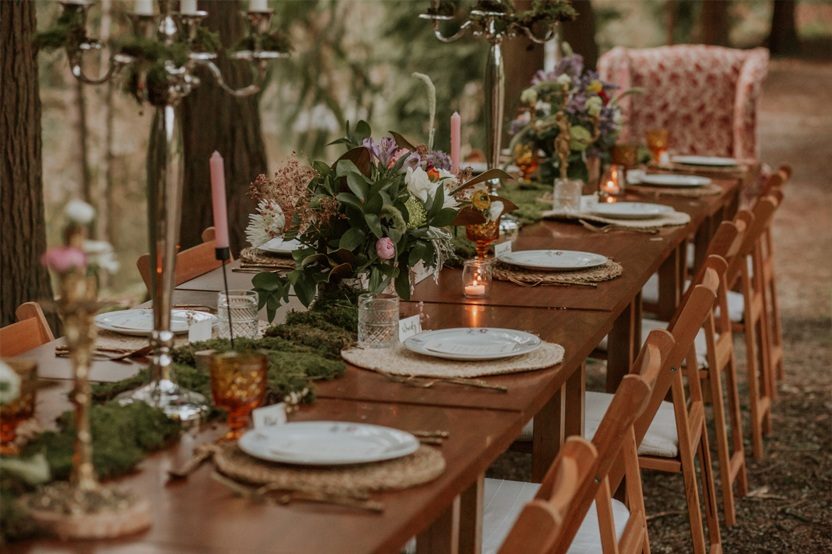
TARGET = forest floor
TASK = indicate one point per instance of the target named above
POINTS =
(789, 508)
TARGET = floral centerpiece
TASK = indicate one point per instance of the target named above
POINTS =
(569, 114)
(382, 208)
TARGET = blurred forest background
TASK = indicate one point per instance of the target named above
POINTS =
(352, 59)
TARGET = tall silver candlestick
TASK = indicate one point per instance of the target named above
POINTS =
(164, 165)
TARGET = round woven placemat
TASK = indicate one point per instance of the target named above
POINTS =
(587, 277)
(665, 220)
(258, 257)
(693, 192)
(401, 361)
(424, 465)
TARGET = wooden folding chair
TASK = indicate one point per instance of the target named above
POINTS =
(560, 515)
(30, 331)
(190, 263)
(754, 323)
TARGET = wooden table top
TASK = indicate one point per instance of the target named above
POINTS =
(201, 515)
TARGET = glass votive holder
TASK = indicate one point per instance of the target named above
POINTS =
(658, 143)
(21, 389)
(241, 306)
(238, 385)
(476, 278)
(567, 195)
(378, 320)
(612, 185)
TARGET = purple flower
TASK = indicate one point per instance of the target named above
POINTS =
(385, 248)
(382, 150)
(63, 259)
(439, 160)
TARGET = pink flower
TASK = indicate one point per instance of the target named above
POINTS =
(62, 259)
(385, 248)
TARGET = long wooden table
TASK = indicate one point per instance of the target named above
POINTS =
(201, 515)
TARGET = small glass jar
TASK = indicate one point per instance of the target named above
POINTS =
(476, 278)
(378, 320)
(241, 306)
(612, 185)
(567, 195)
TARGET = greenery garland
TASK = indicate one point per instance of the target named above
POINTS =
(542, 11)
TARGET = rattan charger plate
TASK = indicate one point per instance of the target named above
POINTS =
(255, 256)
(423, 466)
(585, 277)
(684, 192)
(402, 362)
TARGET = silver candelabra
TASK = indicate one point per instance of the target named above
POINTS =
(494, 27)
(164, 159)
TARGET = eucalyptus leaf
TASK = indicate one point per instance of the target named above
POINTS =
(352, 239)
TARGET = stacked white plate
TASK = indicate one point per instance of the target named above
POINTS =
(327, 443)
(139, 322)
(553, 260)
(713, 161)
(473, 343)
(671, 180)
(630, 210)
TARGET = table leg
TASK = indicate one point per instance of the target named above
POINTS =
(623, 343)
(470, 518)
(573, 423)
(442, 537)
(671, 280)
(548, 435)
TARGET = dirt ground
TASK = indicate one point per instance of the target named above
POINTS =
(789, 508)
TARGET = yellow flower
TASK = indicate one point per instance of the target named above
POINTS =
(480, 199)
(595, 86)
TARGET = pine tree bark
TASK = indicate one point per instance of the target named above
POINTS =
(522, 60)
(713, 21)
(782, 38)
(214, 120)
(22, 221)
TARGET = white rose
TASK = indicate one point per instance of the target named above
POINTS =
(529, 96)
(564, 79)
(418, 183)
(78, 211)
(9, 384)
(495, 210)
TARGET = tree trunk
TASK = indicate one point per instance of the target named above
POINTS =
(84, 151)
(580, 34)
(214, 120)
(522, 60)
(22, 220)
(713, 22)
(670, 8)
(783, 39)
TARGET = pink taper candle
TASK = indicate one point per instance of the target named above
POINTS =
(456, 144)
(218, 200)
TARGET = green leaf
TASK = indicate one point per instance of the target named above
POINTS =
(438, 200)
(358, 185)
(403, 283)
(374, 203)
(401, 141)
(267, 281)
(305, 290)
(444, 218)
(350, 199)
(362, 131)
(352, 239)
(374, 223)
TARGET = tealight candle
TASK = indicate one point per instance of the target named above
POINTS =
(612, 184)
(476, 278)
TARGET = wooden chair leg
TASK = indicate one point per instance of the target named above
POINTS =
(738, 466)
(692, 496)
(709, 492)
(722, 450)
(753, 390)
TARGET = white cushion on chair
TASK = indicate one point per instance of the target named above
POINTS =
(661, 439)
(648, 325)
(736, 306)
(504, 500)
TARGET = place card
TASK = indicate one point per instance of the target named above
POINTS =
(409, 326)
(269, 416)
(200, 331)
(502, 248)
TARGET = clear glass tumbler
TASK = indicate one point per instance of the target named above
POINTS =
(567, 196)
(241, 305)
(378, 320)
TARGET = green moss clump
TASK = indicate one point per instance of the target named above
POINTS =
(329, 340)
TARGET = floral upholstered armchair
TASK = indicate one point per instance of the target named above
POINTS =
(705, 96)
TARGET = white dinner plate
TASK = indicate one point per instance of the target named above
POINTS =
(553, 260)
(473, 343)
(139, 322)
(280, 246)
(714, 161)
(671, 180)
(327, 443)
(630, 210)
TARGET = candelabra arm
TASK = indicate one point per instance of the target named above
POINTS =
(243, 92)
(116, 63)
(461, 32)
(550, 34)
